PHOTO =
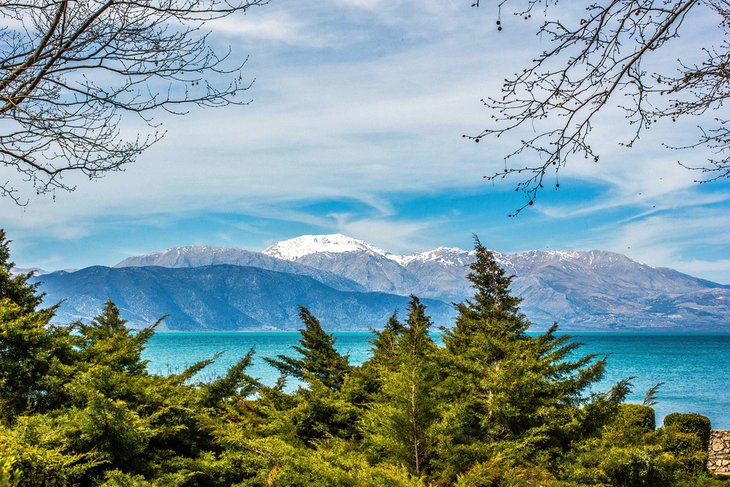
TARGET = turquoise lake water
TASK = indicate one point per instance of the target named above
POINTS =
(694, 367)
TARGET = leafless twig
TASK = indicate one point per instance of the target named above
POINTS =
(589, 63)
(71, 69)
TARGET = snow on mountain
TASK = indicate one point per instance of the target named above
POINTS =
(199, 256)
(336, 243)
(581, 289)
(442, 255)
(296, 248)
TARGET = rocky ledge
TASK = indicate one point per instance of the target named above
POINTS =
(719, 452)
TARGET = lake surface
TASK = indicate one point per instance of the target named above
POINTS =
(694, 367)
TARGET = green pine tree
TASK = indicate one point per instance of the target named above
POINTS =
(384, 346)
(321, 410)
(16, 288)
(121, 414)
(493, 310)
(320, 361)
(35, 356)
(107, 340)
(505, 395)
(35, 360)
(397, 426)
(366, 381)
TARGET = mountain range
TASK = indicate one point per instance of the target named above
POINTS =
(351, 284)
(220, 297)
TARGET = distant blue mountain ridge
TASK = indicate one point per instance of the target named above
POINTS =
(220, 298)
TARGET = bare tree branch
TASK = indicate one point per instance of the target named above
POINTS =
(70, 70)
(588, 63)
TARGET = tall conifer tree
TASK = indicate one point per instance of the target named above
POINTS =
(34, 356)
(385, 344)
(398, 424)
(107, 340)
(493, 310)
(320, 410)
(319, 359)
(505, 394)
(16, 288)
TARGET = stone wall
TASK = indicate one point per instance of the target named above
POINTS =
(719, 453)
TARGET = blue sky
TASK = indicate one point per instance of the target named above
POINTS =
(355, 126)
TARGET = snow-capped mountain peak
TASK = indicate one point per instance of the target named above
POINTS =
(176, 256)
(443, 255)
(336, 243)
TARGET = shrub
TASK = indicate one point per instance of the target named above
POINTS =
(499, 473)
(32, 465)
(637, 416)
(116, 478)
(634, 467)
(631, 424)
(690, 423)
(689, 456)
(681, 443)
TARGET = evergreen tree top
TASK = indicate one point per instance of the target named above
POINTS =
(415, 334)
(384, 344)
(491, 284)
(16, 288)
(493, 310)
(107, 340)
(319, 359)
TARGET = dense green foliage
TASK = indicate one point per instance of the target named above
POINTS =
(491, 407)
(690, 423)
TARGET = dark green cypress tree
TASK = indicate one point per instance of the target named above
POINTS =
(35, 360)
(385, 344)
(320, 410)
(320, 360)
(493, 310)
(366, 381)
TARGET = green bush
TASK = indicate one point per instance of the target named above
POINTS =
(689, 456)
(631, 423)
(7, 470)
(22, 464)
(690, 423)
(498, 472)
(681, 443)
(116, 478)
(637, 416)
(634, 467)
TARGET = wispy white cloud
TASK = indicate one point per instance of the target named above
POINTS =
(715, 270)
(646, 203)
(365, 4)
(357, 131)
(398, 236)
(277, 26)
(361, 100)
